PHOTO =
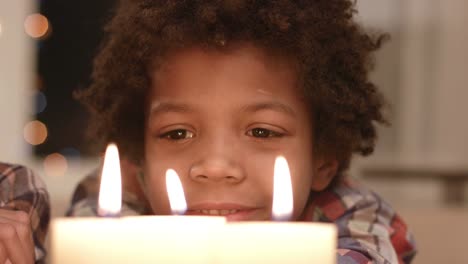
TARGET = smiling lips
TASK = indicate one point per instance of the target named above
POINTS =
(230, 211)
(222, 212)
(231, 214)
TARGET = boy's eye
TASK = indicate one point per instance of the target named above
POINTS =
(263, 133)
(177, 134)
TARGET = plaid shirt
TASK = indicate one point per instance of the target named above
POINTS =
(369, 230)
(21, 189)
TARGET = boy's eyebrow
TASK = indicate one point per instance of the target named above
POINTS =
(270, 105)
(158, 107)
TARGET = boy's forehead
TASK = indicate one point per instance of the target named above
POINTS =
(247, 68)
(270, 59)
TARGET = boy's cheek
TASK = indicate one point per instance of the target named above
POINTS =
(158, 201)
(154, 186)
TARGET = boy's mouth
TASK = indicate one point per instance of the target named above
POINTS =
(222, 212)
(230, 211)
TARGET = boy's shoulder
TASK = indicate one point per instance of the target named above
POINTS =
(347, 197)
(366, 222)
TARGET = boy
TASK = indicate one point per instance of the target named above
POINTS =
(24, 215)
(217, 89)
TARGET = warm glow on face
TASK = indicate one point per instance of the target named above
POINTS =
(55, 165)
(282, 191)
(175, 193)
(35, 132)
(110, 192)
(36, 25)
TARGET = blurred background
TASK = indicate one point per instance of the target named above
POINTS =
(421, 162)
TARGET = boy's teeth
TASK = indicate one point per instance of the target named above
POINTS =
(216, 212)
(223, 212)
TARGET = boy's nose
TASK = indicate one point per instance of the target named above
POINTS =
(217, 169)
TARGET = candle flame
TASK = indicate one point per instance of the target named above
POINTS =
(175, 192)
(282, 191)
(110, 192)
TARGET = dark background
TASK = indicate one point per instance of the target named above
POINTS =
(64, 64)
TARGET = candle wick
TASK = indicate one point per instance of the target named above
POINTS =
(178, 212)
(282, 217)
(106, 214)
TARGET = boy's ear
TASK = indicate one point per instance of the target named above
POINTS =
(324, 172)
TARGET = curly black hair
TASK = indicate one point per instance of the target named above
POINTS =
(334, 55)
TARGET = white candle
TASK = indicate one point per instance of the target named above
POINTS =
(189, 239)
(278, 242)
(262, 242)
(151, 239)
(144, 239)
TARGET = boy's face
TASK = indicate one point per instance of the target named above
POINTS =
(219, 120)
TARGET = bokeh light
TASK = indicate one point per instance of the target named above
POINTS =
(36, 25)
(39, 83)
(55, 165)
(35, 132)
(41, 102)
(73, 155)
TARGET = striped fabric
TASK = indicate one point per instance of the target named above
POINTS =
(21, 189)
(369, 230)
